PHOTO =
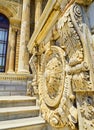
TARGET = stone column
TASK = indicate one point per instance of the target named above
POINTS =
(38, 11)
(12, 41)
(23, 65)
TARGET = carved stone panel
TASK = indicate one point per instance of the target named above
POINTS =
(85, 106)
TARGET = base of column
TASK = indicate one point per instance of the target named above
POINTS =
(10, 72)
(23, 72)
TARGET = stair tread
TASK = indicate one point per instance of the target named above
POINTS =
(21, 122)
(16, 98)
(18, 109)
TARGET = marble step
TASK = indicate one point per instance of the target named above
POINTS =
(18, 112)
(35, 123)
(14, 101)
(12, 87)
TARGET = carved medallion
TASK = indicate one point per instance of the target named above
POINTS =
(52, 76)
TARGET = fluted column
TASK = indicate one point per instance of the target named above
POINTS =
(38, 11)
(12, 41)
(23, 65)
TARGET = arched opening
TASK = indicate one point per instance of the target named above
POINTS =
(4, 29)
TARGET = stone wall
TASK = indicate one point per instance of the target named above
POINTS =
(9, 87)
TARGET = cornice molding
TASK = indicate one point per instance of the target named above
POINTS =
(16, 23)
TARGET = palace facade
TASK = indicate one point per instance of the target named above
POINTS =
(46, 55)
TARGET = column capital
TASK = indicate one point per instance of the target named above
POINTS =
(15, 23)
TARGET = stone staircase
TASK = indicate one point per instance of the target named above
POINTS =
(20, 113)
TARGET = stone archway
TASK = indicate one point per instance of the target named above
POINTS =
(10, 10)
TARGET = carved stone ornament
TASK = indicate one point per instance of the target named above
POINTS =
(32, 88)
(77, 39)
(65, 71)
(52, 76)
(85, 104)
(55, 90)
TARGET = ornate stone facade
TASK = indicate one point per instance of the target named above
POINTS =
(63, 62)
(17, 69)
(60, 55)
(19, 13)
